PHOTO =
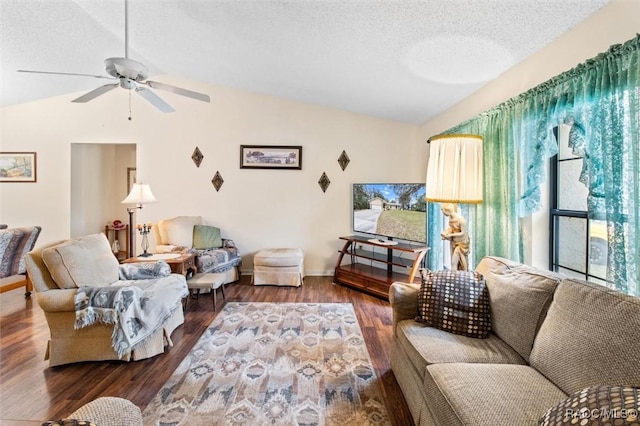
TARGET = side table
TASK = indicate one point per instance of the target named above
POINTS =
(180, 263)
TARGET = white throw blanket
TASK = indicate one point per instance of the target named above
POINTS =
(136, 311)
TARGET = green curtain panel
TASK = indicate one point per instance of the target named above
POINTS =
(600, 98)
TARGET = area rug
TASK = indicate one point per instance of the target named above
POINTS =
(274, 364)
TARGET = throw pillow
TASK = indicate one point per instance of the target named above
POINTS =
(205, 237)
(455, 301)
(596, 405)
(68, 422)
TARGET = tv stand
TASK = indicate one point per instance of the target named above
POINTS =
(376, 276)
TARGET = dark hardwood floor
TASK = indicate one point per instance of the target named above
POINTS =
(30, 390)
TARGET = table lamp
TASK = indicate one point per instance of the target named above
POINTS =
(454, 175)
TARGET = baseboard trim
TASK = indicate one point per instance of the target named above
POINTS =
(307, 273)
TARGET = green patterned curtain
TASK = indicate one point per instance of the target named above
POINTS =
(600, 97)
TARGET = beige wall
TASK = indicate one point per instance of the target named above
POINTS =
(616, 23)
(257, 208)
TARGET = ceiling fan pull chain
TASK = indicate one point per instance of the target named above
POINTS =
(129, 105)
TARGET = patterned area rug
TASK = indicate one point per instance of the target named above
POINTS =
(274, 364)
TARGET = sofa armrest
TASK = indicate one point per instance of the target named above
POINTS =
(62, 300)
(403, 298)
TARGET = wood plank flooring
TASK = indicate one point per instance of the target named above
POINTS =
(31, 391)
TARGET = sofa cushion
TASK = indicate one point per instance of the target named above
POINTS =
(427, 345)
(86, 261)
(206, 237)
(596, 405)
(519, 296)
(178, 231)
(454, 301)
(591, 336)
(488, 394)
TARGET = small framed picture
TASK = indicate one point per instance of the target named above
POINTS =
(17, 167)
(131, 178)
(270, 157)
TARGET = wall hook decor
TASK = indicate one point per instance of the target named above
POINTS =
(197, 156)
(343, 160)
(217, 181)
(324, 182)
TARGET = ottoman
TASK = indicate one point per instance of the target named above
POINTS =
(279, 266)
(210, 281)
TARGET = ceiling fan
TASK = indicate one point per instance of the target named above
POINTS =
(131, 75)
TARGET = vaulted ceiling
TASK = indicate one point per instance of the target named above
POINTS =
(403, 60)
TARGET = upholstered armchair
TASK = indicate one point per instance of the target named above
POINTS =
(14, 244)
(74, 279)
(189, 234)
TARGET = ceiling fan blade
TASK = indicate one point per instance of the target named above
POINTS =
(178, 90)
(96, 92)
(67, 73)
(154, 99)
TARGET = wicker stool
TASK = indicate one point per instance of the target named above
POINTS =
(280, 266)
(109, 411)
(211, 281)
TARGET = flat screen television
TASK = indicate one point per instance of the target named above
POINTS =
(391, 210)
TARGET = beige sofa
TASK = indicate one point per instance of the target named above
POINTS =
(551, 337)
(57, 271)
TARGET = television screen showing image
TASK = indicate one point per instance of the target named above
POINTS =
(392, 210)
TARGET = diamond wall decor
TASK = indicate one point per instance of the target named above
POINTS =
(324, 182)
(343, 160)
(217, 181)
(197, 156)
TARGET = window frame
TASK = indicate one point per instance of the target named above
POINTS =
(555, 215)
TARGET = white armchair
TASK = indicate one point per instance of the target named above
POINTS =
(189, 234)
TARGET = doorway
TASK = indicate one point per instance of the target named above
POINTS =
(100, 176)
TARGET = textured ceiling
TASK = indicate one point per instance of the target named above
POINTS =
(400, 60)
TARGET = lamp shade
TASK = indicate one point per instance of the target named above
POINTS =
(140, 194)
(454, 171)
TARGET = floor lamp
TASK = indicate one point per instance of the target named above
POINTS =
(454, 175)
(140, 194)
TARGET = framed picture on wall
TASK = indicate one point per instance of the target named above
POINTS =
(17, 166)
(131, 178)
(270, 157)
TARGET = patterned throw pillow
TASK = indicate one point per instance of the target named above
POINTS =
(68, 422)
(596, 405)
(455, 301)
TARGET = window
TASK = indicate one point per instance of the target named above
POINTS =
(578, 245)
